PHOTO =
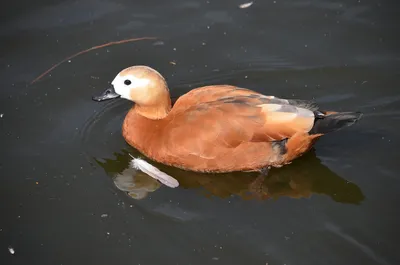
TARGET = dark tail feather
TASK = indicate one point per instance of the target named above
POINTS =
(334, 122)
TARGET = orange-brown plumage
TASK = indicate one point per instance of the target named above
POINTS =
(218, 128)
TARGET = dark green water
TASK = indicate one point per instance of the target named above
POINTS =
(63, 161)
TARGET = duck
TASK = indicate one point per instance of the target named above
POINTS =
(218, 128)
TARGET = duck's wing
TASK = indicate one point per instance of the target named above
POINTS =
(218, 92)
(231, 121)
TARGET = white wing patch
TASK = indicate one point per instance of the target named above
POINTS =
(290, 111)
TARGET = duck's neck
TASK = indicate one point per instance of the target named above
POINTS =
(155, 112)
(139, 131)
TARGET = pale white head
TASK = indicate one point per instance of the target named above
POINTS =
(144, 86)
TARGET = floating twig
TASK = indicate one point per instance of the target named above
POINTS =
(90, 49)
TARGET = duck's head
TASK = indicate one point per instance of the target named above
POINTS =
(142, 85)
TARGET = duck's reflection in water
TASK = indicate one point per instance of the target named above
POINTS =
(301, 179)
(136, 183)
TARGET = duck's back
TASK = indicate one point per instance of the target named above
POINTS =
(207, 94)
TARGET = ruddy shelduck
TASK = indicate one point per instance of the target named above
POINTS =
(218, 128)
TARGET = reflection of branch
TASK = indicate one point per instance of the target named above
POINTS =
(90, 49)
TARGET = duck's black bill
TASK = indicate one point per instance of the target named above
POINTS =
(109, 93)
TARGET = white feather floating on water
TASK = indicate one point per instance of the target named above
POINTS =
(246, 5)
(154, 172)
(11, 250)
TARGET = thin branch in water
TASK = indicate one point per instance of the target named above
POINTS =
(90, 49)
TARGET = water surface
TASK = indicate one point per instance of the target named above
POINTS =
(68, 196)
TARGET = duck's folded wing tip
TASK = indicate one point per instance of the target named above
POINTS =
(154, 172)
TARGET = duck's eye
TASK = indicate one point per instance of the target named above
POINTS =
(127, 82)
